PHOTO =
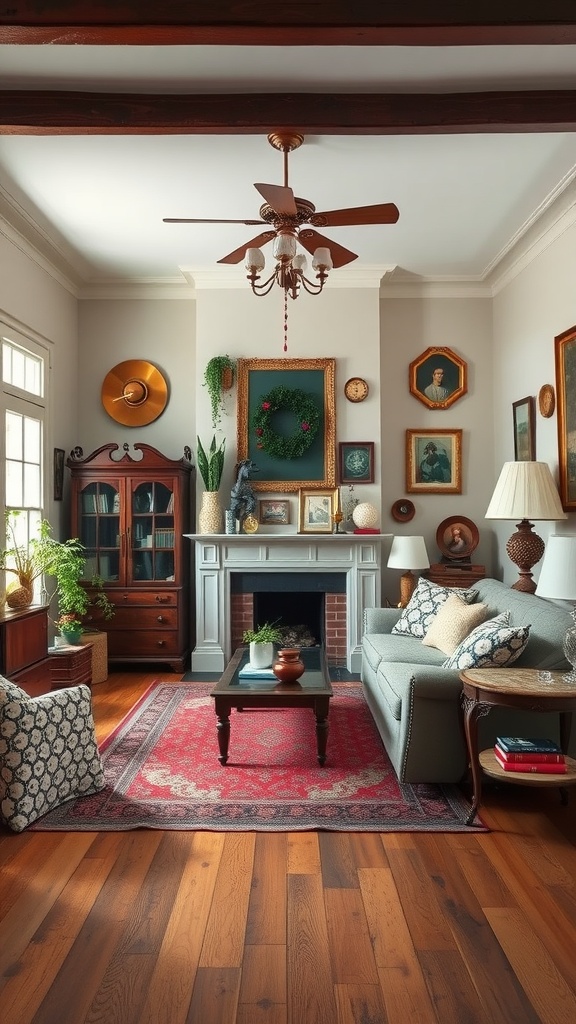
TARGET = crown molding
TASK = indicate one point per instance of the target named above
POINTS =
(143, 288)
(208, 278)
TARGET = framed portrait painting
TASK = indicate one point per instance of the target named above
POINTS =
(523, 413)
(438, 378)
(287, 423)
(59, 454)
(356, 462)
(315, 510)
(434, 461)
(565, 356)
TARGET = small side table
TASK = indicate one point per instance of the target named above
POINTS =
(486, 688)
(450, 574)
(70, 666)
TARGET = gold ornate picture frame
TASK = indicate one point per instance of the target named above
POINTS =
(434, 461)
(438, 378)
(565, 357)
(316, 510)
(314, 379)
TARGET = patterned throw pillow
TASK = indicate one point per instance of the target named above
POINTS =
(48, 752)
(494, 644)
(424, 605)
(454, 622)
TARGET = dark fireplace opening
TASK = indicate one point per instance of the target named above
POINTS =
(300, 615)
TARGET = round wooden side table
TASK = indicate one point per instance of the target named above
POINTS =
(486, 688)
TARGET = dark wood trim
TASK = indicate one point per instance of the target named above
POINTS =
(43, 112)
(292, 23)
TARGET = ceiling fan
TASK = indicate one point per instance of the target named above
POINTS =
(289, 217)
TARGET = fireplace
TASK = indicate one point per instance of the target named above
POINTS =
(344, 569)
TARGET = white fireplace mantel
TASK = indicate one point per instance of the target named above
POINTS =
(217, 556)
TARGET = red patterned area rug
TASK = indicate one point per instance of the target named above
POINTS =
(162, 771)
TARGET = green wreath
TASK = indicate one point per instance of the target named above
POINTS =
(304, 409)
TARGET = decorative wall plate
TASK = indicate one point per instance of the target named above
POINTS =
(356, 389)
(546, 400)
(457, 537)
(134, 393)
(403, 510)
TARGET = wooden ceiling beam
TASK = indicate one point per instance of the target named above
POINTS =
(291, 23)
(77, 113)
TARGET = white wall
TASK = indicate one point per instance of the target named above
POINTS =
(538, 304)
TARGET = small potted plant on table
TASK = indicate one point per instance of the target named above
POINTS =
(261, 641)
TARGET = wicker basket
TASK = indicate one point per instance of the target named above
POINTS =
(99, 643)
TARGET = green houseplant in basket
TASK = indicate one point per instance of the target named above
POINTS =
(218, 378)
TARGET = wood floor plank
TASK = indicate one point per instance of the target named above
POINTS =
(266, 921)
(348, 930)
(172, 981)
(553, 999)
(303, 853)
(337, 859)
(426, 920)
(225, 931)
(264, 975)
(367, 849)
(215, 997)
(270, 1013)
(451, 989)
(360, 1004)
(310, 988)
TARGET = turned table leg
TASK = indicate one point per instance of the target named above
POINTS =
(473, 710)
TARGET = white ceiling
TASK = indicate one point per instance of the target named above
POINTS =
(463, 198)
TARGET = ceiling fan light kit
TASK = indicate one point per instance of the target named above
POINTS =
(288, 216)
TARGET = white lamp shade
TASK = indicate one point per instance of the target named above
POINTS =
(408, 553)
(525, 490)
(322, 258)
(300, 262)
(284, 246)
(254, 259)
(558, 572)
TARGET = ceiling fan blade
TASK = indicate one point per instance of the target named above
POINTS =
(238, 255)
(381, 213)
(279, 197)
(311, 240)
(203, 220)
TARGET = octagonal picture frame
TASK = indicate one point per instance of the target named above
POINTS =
(438, 378)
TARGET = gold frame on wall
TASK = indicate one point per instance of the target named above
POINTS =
(565, 358)
(307, 498)
(245, 369)
(449, 444)
(454, 380)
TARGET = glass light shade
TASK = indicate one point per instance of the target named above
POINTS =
(254, 260)
(284, 247)
(525, 490)
(322, 259)
(300, 262)
(408, 553)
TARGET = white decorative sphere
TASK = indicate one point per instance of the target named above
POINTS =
(365, 516)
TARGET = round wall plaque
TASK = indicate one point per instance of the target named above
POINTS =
(403, 510)
(546, 400)
(134, 393)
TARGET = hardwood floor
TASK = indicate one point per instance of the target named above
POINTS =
(153, 927)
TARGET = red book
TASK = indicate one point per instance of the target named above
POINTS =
(366, 531)
(541, 767)
(539, 758)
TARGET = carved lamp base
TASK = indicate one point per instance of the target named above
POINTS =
(525, 549)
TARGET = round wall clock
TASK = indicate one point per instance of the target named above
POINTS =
(134, 393)
(546, 400)
(356, 389)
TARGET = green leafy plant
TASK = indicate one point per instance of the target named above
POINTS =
(269, 633)
(214, 374)
(63, 561)
(211, 463)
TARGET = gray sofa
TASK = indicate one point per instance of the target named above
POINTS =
(416, 703)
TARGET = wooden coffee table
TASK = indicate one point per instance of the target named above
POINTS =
(486, 688)
(313, 690)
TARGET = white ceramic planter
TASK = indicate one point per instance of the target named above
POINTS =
(261, 655)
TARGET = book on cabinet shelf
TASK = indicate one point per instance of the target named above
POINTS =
(531, 767)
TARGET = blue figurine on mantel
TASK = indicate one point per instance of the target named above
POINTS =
(243, 499)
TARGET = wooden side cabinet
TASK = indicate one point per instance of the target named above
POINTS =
(24, 648)
(450, 575)
(130, 512)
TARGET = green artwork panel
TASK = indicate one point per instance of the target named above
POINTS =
(310, 465)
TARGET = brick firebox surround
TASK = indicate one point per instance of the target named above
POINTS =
(335, 646)
(218, 557)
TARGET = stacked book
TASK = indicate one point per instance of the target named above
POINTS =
(525, 754)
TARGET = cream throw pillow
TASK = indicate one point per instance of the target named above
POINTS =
(453, 623)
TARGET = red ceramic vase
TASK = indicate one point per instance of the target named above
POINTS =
(289, 666)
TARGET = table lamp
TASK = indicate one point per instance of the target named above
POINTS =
(408, 553)
(558, 582)
(525, 490)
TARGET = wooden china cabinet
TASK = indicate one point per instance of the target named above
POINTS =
(130, 512)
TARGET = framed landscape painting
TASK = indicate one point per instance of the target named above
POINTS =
(434, 461)
(315, 510)
(565, 356)
(523, 412)
(273, 512)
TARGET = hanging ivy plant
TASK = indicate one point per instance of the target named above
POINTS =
(307, 416)
(218, 377)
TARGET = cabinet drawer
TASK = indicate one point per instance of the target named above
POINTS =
(137, 598)
(160, 617)
(126, 643)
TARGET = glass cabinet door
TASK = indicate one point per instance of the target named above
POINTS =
(152, 534)
(99, 518)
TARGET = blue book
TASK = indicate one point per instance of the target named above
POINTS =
(248, 671)
(527, 745)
